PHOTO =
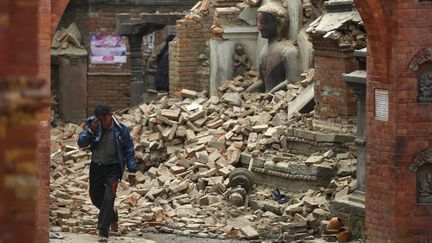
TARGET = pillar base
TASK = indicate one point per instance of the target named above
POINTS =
(351, 209)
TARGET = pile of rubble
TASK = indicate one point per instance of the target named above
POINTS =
(185, 150)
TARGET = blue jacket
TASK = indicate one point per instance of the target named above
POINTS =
(124, 143)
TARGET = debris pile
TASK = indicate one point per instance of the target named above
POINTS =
(185, 150)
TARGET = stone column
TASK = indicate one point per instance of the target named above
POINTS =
(137, 81)
(359, 90)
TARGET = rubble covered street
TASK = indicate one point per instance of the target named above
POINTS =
(186, 148)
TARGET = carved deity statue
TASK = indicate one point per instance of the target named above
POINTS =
(279, 63)
(425, 189)
(425, 83)
(242, 63)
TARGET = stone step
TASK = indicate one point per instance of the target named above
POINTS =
(358, 76)
(357, 197)
(361, 53)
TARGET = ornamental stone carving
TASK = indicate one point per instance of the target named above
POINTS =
(422, 166)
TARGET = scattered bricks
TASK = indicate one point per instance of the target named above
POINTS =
(192, 126)
(274, 132)
(249, 232)
(188, 93)
(216, 124)
(132, 199)
(180, 187)
(260, 128)
(208, 173)
(304, 134)
(140, 177)
(171, 114)
(190, 134)
(63, 213)
(314, 160)
(232, 99)
(215, 180)
(152, 172)
(202, 157)
(214, 156)
(197, 115)
(178, 169)
(329, 154)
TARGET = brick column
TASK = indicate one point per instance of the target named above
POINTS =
(397, 31)
(332, 96)
(22, 96)
(137, 81)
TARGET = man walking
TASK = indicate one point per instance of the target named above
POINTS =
(112, 149)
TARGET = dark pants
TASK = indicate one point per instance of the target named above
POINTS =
(103, 187)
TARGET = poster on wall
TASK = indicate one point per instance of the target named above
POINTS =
(108, 49)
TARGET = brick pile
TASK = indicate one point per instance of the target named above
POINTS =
(186, 149)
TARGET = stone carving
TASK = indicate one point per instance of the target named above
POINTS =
(311, 10)
(424, 184)
(67, 42)
(425, 87)
(278, 65)
(242, 63)
(422, 166)
(420, 159)
(423, 56)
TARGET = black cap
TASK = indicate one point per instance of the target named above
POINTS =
(101, 110)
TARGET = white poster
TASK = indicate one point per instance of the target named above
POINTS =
(109, 49)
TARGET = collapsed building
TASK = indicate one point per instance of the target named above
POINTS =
(303, 138)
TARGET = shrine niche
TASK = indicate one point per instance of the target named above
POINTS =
(422, 166)
(422, 64)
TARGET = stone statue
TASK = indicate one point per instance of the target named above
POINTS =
(425, 87)
(425, 192)
(279, 63)
(242, 63)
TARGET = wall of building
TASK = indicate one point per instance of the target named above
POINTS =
(397, 30)
(99, 17)
(190, 51)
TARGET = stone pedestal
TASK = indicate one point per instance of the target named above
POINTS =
(73, 88)
(351, 207)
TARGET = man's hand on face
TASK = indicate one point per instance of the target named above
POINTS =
(94, 125)
(132, 180)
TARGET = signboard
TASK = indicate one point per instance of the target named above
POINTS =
(381, 104)
(109, 49)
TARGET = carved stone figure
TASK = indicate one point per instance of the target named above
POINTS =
(279, 64)
(242, 63)
(422, 166)
(424, 185)
(425, 87)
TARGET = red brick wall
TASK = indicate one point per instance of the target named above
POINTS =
(113, 90)
(186, 70)
(192, 34)
(397, 30)
(332, 96)
(20, 165)
(101, 19)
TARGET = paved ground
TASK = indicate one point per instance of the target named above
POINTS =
(146, 238)
(152, 238)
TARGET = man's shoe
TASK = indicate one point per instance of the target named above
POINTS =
(102, 238)
(114, 226)
(115, 229)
